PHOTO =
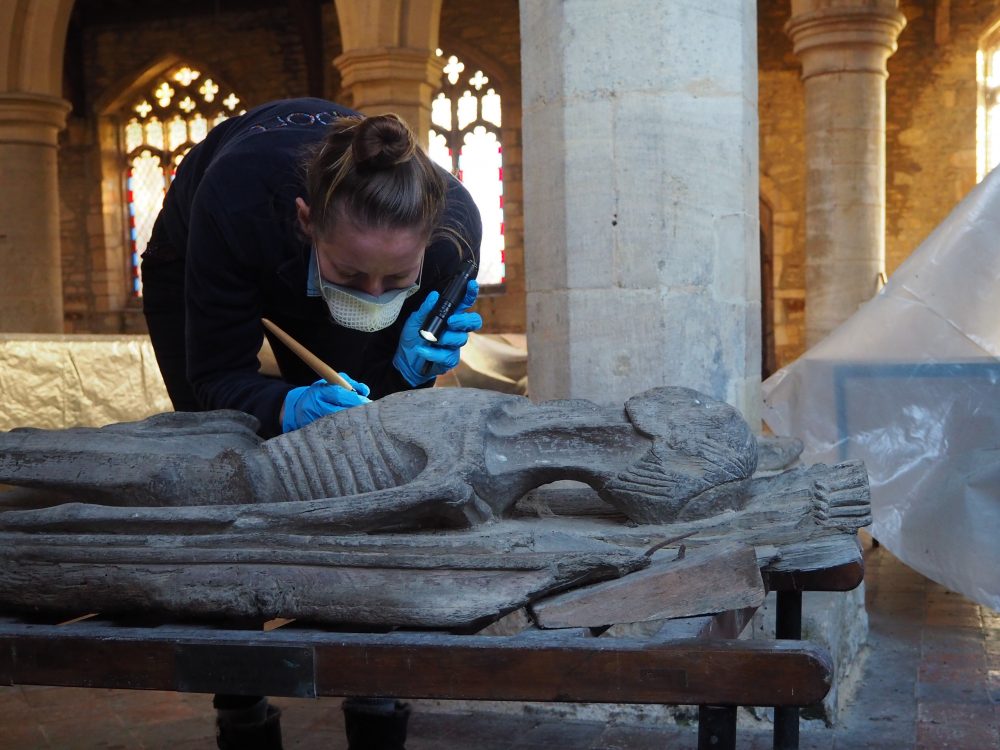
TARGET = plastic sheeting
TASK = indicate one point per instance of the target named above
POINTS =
(909, 384)
(54, 381)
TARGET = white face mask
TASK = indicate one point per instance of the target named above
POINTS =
(361, 311)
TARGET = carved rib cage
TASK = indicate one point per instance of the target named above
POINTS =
(347, 453)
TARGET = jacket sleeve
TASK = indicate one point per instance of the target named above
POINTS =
(223, 330)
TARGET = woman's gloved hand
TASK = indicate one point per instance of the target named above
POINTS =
(310, 402)
(414, 353)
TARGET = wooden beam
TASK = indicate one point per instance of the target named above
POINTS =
(412, 665)
(709, 579)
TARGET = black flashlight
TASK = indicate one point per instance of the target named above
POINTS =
(446, 304)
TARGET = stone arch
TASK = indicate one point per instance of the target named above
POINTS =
(32, 45)
(369, 24)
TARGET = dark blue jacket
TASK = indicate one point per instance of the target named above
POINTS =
(232, 207)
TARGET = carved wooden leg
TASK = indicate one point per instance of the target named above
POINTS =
(788, 625)
(425, 502)
(716, 727)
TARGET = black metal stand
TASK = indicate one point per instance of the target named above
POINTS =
(788, 626)
(716, 727)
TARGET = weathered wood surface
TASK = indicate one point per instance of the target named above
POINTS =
(251, 528)
(430, 458)
(308, 663)
(776, 452)
(800, 521)
(710, 579)
(435, 580)
(804, 519)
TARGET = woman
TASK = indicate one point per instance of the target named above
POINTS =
(336, 227)
(339, 229)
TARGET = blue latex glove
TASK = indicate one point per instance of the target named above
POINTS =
(414, 353)
(310, 402)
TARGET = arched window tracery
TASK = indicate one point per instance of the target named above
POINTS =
(465, 140)
(161, 124)
(988, 115)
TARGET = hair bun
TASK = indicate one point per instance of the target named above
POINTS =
(382, 141)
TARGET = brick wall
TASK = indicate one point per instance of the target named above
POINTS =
(931, 119)
(783, 173)
(258, 53)
(931, 98)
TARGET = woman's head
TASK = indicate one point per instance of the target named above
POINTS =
(373, 200)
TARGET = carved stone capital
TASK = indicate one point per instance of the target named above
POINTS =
(33, 119)
(845, 38)
(392, 79)
(389, 64)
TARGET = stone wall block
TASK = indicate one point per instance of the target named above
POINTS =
(669, 154)
(543, 41)
(622, 348)
(645, 230)
(588, 128)
(548, 327)
(546, 224)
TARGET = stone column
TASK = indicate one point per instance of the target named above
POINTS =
(843, 46)
(640, 198)
(31, 278)
(392, 79)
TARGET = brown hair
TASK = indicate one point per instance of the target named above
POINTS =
(371, 170)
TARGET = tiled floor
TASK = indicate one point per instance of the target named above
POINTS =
(931, 680)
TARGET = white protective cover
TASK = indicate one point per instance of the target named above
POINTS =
(909, 384)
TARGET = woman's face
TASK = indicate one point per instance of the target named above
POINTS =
(369, 260)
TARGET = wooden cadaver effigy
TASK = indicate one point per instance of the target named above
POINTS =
(421, 509)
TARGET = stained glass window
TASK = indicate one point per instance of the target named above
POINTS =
(465, 139)
(161, 125)
(988, 120)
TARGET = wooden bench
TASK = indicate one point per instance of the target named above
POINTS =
(688, 661)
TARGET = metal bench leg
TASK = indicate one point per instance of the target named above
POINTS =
(716, 727)
(788, 626)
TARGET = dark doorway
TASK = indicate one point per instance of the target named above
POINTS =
(768, 358)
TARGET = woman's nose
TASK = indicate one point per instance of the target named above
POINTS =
(374, 287)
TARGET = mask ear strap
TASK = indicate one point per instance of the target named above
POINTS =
(319, 271)
(423, 262)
